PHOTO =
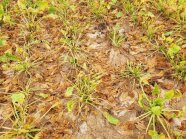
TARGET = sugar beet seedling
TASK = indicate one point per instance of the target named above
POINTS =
(156, 111)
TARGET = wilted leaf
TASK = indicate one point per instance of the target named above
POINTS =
(144, 79)
(110, 118)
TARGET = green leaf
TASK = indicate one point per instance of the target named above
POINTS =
(169, 94)
(70, 105)
(52, 10)
(173, 49)
(18, 98)
(110, 118)
(158, 102)
(119, 14)
(11, 57)
(156, 90)
(2, 42)
(7, 57)
(156, 110)
(69, 91)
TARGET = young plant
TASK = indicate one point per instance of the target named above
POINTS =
(116, 36)
(156, 111)
(20, 126)
(17, 63)
(130, 9)
(30, 10)
(65, 9)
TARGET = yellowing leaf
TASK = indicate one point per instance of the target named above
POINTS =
(169, 94)
(43, 95)
(110, 118)
(144, 79)
(18, 98)
(42, 5)
(21, 4)
(155, 135)
(70, 105)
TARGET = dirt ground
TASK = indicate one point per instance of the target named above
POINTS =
(57, 48)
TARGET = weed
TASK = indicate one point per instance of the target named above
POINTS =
(132, 70)
(97, 7)
(4, 15)
(116, 36)
(65, 8)
(82, 94)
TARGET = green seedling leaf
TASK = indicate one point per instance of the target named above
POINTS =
(110, 118)
(119, 14)
(156, 90)
(114, 2)
(69, 91)
(158, 102)
(43, 95)
(2, 42)
(18, 98)
(11, 57)
(168, 34)
(70, 106)
(169, 94)
(174, 49)
(156, 110)
(8, 57)
(20, 66)
(52, 10)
